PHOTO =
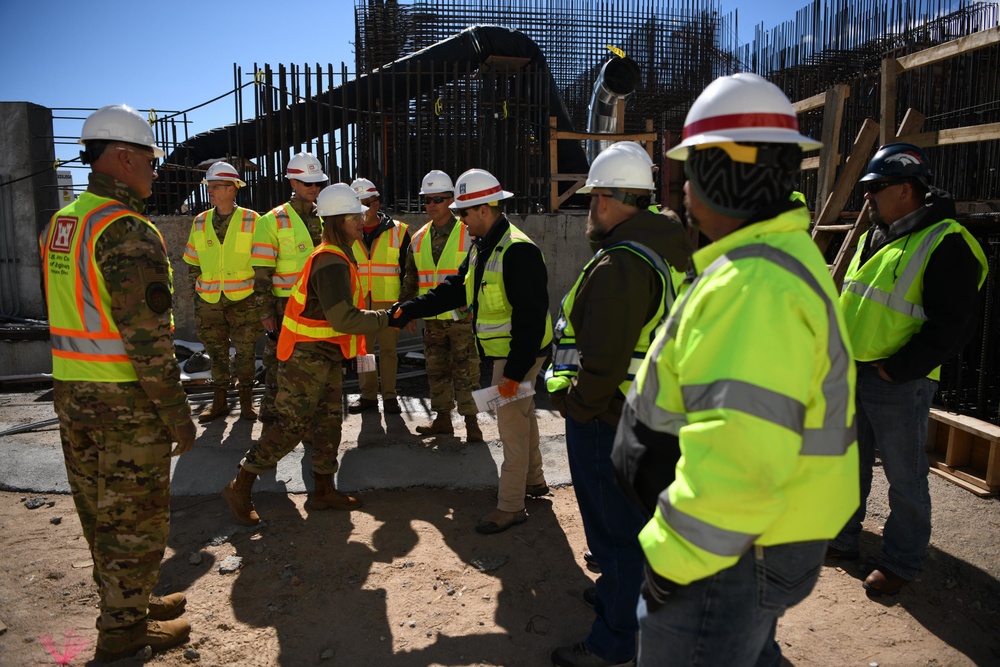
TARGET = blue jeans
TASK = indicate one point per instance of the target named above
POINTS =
(612, 524)
(893, 417)
(730, 617)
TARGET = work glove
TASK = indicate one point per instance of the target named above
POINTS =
(397, 316)
(507, 387)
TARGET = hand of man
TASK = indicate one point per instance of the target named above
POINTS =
(507, 387)
(183, 435)
(558, 401)
(397, 316)
(411, 326)
(270, 323)
(880, 365)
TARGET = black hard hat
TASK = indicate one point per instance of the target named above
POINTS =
(899, 161)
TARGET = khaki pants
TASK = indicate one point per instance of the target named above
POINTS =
(522, 460)
(388, 362)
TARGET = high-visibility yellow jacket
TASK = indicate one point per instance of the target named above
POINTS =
(882, 300)
(298, 329)
(494, 309)
(282, 240)
(379, 267)
(86, 343)
(225, 267)
(431, 274)
(752, 378)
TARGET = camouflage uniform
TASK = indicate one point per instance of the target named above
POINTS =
(116, 436)
(451, 356)
(270, 304)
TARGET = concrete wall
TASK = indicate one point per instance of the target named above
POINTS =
(25, 148)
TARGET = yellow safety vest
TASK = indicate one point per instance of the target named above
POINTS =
(429, 274)
(86, 343)
(379, 270)
(225, 267)
(883, 301)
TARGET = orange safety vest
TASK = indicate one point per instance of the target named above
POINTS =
(295, 328)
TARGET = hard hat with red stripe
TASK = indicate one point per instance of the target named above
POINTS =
(306, 168)
(742, 108)
(475, 187)
(224, 172)
(365, 188)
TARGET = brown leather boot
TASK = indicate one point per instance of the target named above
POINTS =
(326, 497)
(246, 403)
(472, 431)
(158, 635)
(237, 496)
(166, 607)
(218, 408)
(441, 424)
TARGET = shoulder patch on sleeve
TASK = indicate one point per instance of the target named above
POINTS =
(158, 297)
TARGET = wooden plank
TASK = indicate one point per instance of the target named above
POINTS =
(944, 472)
(934, 54)
(809, 103)
(959, 448)
(833, 115)
(955, 135)
(569, 193)
(978, 427)
(565, 134)
(809, 163)
(887, 95)
(833, 228)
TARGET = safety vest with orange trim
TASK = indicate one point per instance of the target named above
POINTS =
(225, 267)
(429, 274)
(296, 328)
(86, 343)
(379, 268)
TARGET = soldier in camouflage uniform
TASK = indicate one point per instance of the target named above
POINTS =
(325, 324)
(116, 383)
(451, 356)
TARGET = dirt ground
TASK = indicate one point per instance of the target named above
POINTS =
(405, 581)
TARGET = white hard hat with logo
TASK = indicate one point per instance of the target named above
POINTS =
(624, 164)
(306, 168)
(738, 109)
(475, 187)
(118, 122)
(223, 171)
(436, 182)
(364, 188)
(338, 199)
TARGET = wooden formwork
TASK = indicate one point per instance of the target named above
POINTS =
(964, 450)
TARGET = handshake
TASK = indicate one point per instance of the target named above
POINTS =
(397, 316)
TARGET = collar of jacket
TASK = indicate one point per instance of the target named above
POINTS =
(794, 219)
(103, 185)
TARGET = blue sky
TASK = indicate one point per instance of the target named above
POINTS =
(176, 55)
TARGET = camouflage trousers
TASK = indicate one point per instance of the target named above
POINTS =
(310, 397)
(270, 360)
(120, 480)
(388, 362)
(452, 364)
(219, 323)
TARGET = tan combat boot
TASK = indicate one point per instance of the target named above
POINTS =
(472, 430)
(246, 403)
(326, 497)
(237, 496)
(158, 635)
(166, 607)
(441, 424)
(218, 408)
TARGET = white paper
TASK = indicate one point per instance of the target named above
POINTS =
(366, 363)
(489, 399)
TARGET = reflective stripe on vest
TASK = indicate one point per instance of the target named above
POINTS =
(494, 311)
(86, 344)
(429, 274)
(225, 267)
(295, 328)
(882, 311)
(565, 356)
(380, 271)
(294, 247)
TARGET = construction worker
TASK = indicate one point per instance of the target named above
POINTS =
(116, 384)
(605, 326)
(285, 236)
(738, 432)
(381, 255)
(910, 299)
(451, 356)
(504, 282)
(324, 324)
(222, 281)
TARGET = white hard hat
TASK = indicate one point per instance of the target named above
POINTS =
(118, 122)
(436, 182)
(621, 165)
(338, 199)
(223, 171)
(741, 108)
(475, 187)
(364, 188)
(306, 168)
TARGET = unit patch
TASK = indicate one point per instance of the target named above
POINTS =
(158, 298)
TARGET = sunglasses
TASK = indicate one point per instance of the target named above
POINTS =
(874, 187)
(154, 162)
(462, 212)
(435, 200)
(313, 185)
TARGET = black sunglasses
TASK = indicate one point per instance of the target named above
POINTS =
(873, 187)
(435, 200)
(462, 212)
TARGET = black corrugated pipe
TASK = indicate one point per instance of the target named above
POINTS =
(618, 79)
(468, 49)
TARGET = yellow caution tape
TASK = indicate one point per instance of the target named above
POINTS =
(615, 50)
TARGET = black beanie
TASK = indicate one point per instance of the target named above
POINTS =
(738, 189)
